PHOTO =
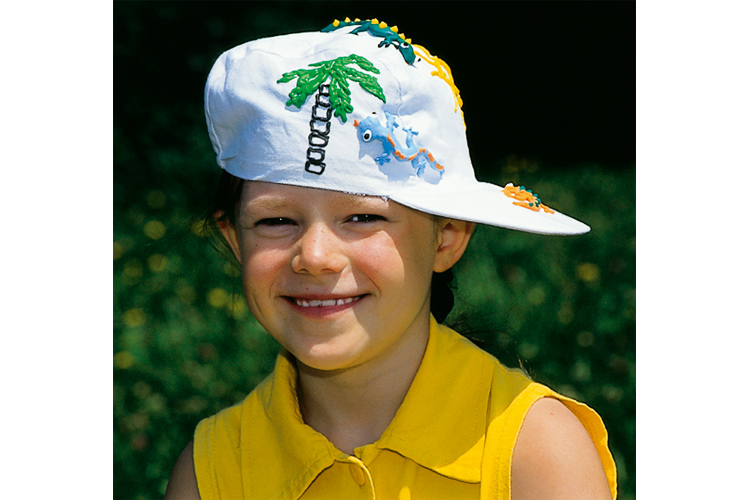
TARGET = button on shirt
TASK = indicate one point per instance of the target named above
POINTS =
(452, 437)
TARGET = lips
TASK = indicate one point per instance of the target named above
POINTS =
(323, 302)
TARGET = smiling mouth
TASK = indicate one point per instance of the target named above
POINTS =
(324, 303)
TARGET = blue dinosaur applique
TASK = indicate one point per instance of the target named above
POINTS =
(421, 160)
(390, 35)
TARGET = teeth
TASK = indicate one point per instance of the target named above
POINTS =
(324, 303)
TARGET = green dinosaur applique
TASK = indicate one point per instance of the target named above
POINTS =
(390, 35)
(409, 51)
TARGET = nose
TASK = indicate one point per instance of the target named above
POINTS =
(318, 252)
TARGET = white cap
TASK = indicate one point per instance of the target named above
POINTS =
(357, 108)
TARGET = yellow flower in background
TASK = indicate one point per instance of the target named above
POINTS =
(132, 271)
(124, 360)
(157, 263)
(134, 317)
(588, 272)
(218, 297)
(118, 250)
(154, 229)
(536, 295)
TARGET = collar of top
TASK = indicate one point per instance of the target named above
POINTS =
(282, 455)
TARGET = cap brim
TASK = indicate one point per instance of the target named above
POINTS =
(487, 204)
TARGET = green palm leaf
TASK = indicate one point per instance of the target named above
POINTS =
(339, 74)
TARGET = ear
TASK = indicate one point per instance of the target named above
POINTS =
(229, 232)
(453, 237)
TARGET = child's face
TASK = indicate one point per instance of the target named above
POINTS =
(337, 279)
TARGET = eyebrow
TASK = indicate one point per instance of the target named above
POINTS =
(265, 203)
(261, 204)
(356, 200)
(274, 203)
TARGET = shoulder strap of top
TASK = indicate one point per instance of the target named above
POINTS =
(216, 448)
(503, 431)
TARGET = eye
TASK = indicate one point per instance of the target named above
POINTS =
(274, 221)
(366, 218)
(367, 136)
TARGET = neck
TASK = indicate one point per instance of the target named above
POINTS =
(353, 407)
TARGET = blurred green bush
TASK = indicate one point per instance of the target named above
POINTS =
(185, 345)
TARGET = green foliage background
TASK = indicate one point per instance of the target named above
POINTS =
(185, 345)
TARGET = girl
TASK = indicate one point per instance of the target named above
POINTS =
(347, 193)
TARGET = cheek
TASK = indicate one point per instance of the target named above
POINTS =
(377, 258)
(260, 269)
(377, 254)
(395, 259)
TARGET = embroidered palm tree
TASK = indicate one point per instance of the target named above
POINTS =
(339, 74)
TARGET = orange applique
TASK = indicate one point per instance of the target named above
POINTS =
(526, 198)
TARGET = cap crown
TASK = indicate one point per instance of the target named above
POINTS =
(357, 108)
(295, 109)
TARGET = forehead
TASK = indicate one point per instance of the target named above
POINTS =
(266, 194)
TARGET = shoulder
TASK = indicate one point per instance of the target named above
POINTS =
(554, 457)
(182, 483)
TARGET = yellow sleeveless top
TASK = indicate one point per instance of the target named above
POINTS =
(452, 437)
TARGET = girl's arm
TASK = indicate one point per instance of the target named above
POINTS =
(555, 458)
(182, 483)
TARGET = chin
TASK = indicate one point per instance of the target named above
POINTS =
(327, 356)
